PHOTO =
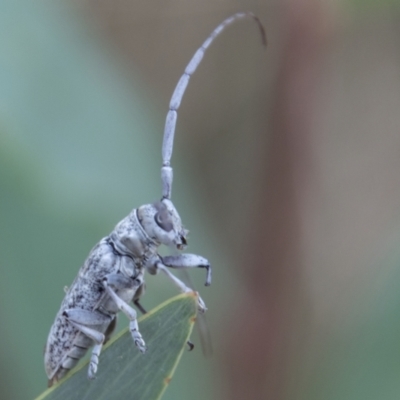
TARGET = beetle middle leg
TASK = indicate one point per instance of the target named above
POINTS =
(120, 284)
(136, 298)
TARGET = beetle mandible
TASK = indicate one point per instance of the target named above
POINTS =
(113, 274)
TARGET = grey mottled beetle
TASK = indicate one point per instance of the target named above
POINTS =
(113, 274)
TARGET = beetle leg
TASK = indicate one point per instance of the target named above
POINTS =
(181, 285)
(94, 360)
(86, 318)
(188, 261)
(139, 306)
(128, 311)
(83, 320)
(136, 298)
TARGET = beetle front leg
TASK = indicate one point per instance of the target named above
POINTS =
(188, 261)
(126, 309)
(181, 285)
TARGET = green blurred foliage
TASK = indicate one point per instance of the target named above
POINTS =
(357, 357)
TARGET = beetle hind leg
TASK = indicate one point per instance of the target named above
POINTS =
(94, 360)
(84, 321)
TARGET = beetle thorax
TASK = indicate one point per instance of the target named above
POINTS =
(129, 237)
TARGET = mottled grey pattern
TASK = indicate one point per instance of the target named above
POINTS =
(110, 278)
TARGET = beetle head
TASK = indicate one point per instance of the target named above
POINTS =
(163, 224)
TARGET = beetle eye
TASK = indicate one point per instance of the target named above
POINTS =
(163, 221)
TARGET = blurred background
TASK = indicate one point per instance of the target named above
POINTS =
(286, 173)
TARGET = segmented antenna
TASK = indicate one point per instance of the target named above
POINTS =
(170, 123)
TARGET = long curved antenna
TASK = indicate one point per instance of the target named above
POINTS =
(170, 123)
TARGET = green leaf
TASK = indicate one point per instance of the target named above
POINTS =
(125, 373)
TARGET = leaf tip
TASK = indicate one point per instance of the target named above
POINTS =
(193, 294)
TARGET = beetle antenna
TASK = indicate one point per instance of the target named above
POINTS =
(172, 115)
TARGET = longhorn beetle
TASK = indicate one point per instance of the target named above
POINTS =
(113, 274)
